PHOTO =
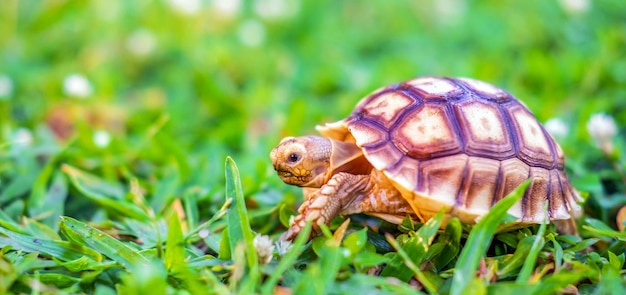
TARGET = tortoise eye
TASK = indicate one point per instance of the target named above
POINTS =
(293, 158)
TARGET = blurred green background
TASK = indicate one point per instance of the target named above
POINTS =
(163, 91)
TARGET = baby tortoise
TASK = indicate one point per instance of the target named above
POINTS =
(425, 144)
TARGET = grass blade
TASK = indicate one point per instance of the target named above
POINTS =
(365, 284)
(415, 247)
(205, 225)
(320, 276)
(237, 218)
(146, 277)
(510, 288)
(62, 250)
(175, 244)
(599, 228)
(432, 289)
(451, 239)
(515, 261)
(105, 194)
(531, 260)
(49, 202)
(191, 206)
(479, 239)
(85, 234)
(556, 282)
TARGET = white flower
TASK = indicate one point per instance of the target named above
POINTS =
(601, 126)
(227, 7)
(282, 247)
(602, 129)
(6, 86)
(251, 33)
(77, 85)
(264, 248)
(141, 42)
(101, 138)
(557, 128)
(449, 11)
(204, 233)
(575, 6)
(186, 6)
(275, 9)
(22, 137)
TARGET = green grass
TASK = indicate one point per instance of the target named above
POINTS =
(134, 189)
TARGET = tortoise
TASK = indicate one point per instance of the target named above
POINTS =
(423, 145)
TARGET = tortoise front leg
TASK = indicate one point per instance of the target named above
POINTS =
(322, 205)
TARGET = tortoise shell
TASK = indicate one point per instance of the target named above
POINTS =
(460, 144)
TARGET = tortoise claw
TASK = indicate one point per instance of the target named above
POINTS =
(289, 235)
(296, 225)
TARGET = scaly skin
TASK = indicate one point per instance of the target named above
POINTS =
(324, 204)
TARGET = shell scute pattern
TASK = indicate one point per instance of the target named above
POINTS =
(385, 109)
(369, 135)
(532, 205)
(442, 177)
(478, 191)
(469, 123)
(482, 126)
(532, 143)
(426, 132)
(384, 156)
(485, 90)
(405, 173)
(431, 88)
(465, 144)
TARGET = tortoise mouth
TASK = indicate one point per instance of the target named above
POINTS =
(283, 173)
(291, 178)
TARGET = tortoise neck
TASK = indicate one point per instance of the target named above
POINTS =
(320, 150)
(347, 157)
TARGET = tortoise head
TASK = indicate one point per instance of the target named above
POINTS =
(303, 161)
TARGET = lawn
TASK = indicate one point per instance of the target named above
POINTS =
(135, 145)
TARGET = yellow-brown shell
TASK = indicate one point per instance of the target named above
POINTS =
(460, 144)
